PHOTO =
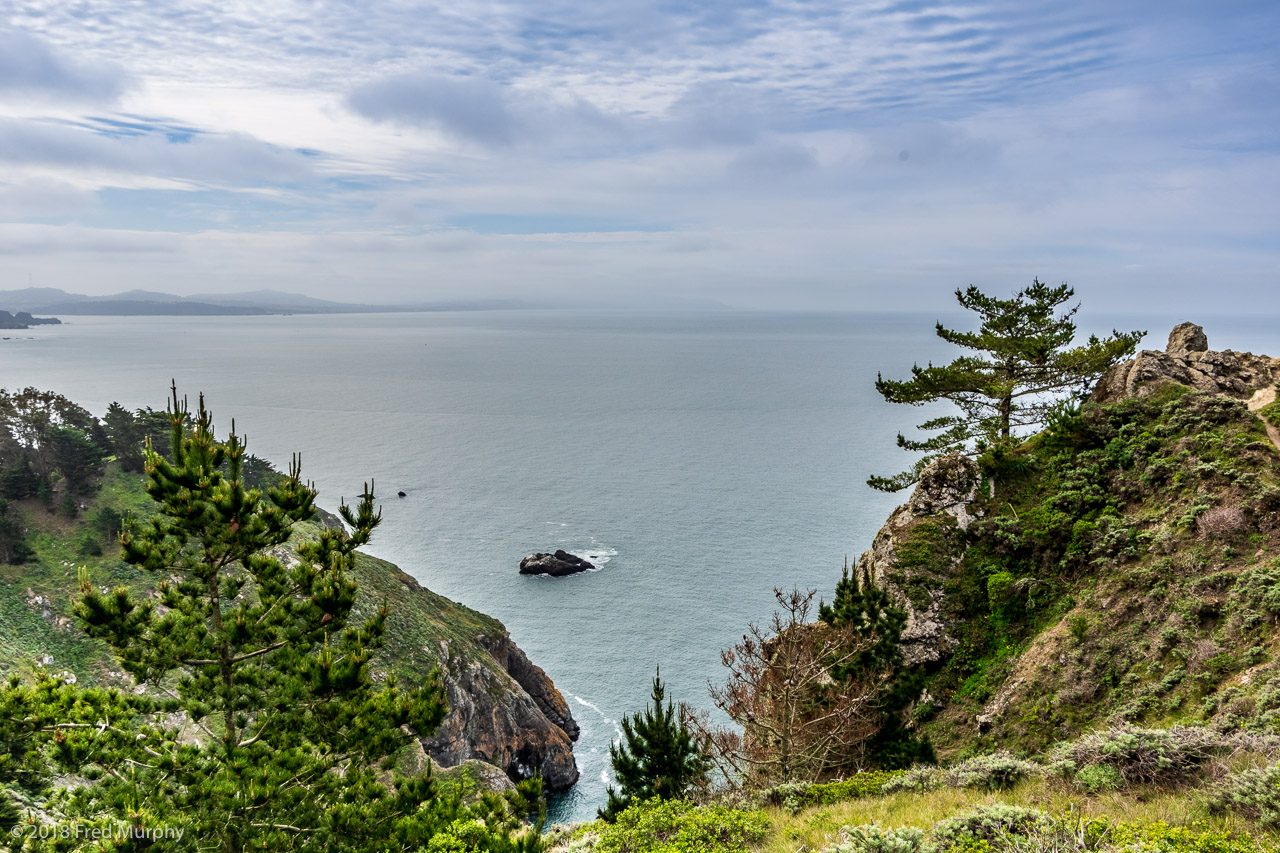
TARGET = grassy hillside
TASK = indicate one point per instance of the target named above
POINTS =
(1126, 568)
(1146, 791)
(35, 597)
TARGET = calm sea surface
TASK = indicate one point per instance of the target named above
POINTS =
(699, 459)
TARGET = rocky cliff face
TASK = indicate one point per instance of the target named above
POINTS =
(503, 709)
(509, 715)
(918, 549)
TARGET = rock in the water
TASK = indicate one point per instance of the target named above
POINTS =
(557, 565)
(401, 495)
(1187, 337)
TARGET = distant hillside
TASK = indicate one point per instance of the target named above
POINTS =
(154, 303)
(140, 308)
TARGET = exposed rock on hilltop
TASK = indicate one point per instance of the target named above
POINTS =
(1125, 566)
(1187, 360)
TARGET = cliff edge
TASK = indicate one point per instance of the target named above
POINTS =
(503, 709)
(1121, 566)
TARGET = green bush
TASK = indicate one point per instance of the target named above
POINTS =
(917, 780)
(1253, 793)
(1163, 838)
(1097, 778)
(678, 826)
(1271, 414)
(797, 796)
(994, 772)
(873, 839)
(987, 823)
(999, 590)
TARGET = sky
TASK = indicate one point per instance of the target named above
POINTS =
(797, 154)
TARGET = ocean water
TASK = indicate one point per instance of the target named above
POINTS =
(699, 460)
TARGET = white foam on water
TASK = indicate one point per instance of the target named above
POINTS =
(617, 728)
(597, 556)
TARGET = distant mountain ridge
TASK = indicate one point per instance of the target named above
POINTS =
(51, 300)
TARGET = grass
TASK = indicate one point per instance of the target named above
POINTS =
(1272, 414)
(816, 827)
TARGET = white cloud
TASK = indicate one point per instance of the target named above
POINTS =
(31, 69)
(793, 153)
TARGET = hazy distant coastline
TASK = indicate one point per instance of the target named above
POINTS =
(50, 300)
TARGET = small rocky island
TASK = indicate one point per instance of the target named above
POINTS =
(23, 320)
(557, 565)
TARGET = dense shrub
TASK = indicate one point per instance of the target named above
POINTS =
(1148, 756)
(796, 796)
(1253, 793)
(873, 839)
(987, 823)
(1096, 778)
(994, 772)
(1257, 592)
(678, 826)
(917, 780)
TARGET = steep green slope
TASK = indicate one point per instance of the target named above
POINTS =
(504, 710)
(38, 620)
(1124, 565)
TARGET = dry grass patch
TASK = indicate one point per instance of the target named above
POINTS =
(818, 827)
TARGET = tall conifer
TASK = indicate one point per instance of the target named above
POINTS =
(876, 623)
(658, 756)
(265, 656)
(1022, 361)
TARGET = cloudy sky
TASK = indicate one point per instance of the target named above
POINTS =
(798, 153)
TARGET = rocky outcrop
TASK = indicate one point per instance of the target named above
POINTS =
(1187, 360)
(556, 565)
(918, 549)
(23, 320)
(503, 709)
(507, 712)
(535, 682)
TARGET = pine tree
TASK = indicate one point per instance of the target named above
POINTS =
(658, 756)
(867, 609)
(876, 622)
(265, 657)
(1023, 359)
